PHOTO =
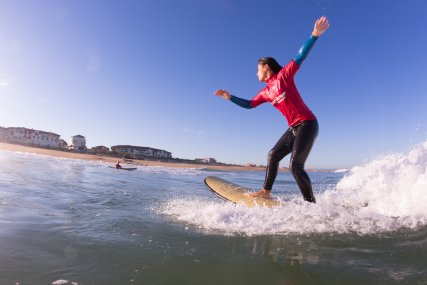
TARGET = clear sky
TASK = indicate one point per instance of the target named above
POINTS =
(144, 72)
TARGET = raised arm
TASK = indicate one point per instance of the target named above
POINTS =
(320, 27)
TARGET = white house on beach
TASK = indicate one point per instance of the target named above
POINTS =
(29, 137)
(78, 143)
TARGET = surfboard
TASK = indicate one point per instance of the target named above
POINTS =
(237, 194)
(123, 168)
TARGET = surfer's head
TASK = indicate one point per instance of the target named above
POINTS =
(267, 66)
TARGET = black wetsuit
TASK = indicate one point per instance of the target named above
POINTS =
(298, 141)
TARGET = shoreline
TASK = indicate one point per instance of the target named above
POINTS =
(136, 162)
(113, 160)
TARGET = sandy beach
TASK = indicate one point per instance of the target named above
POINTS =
(113, 160)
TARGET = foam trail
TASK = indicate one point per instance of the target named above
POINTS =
(394, 185)
(387, 194)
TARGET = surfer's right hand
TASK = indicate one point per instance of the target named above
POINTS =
(223, 93)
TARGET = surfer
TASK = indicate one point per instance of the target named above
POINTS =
(281, 92)
(118, 164)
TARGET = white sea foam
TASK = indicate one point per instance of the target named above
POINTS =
(60, 281)
(387, 194)
(342, 170)
(394, 185)
(171, 170)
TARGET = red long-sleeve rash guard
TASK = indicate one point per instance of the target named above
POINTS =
(282, 93)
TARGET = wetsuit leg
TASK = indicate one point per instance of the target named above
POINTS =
(282, 148)
(305, 135)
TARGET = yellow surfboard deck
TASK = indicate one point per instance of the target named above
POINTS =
(237, 194)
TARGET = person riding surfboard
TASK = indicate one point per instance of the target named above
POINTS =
(281, 92)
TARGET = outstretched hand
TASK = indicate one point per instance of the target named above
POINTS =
(223, 93)
(321, 25)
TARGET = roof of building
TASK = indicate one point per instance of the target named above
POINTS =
(137, 147)
(100, 146)
(33, 130)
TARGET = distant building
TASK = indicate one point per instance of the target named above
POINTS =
(139, 152)
(3, 133)
(100, 149)
(78, 143)
(63, 143)
(205, 160)
(29, 137)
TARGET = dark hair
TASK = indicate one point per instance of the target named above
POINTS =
(271, 62)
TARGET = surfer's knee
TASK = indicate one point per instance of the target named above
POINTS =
(272, 156)
(296, 168)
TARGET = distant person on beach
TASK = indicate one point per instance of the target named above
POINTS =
(118, 164)
(281, 92)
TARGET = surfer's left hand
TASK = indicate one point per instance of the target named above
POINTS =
(321, 25)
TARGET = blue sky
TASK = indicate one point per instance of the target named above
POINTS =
(143, 73)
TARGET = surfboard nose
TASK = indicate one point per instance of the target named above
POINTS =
(237, 194)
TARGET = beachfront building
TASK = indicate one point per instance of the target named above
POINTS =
(3, 134)
(63, 144)
(100, 149)
(205, 160)
(140, 152)
(78, 143)
(29, 137)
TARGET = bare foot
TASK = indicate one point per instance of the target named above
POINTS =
(261, 194)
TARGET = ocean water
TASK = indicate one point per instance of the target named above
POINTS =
(65, 221)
